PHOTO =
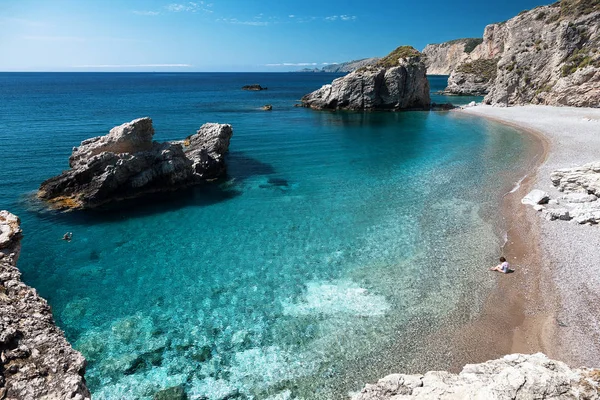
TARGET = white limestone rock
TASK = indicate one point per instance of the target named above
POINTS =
(535, 197)
(515, 376)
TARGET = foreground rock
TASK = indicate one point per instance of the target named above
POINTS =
(396, 82)
(126, 163)
(547, 55)
(514, 376)
(580, 200)
(36, 361)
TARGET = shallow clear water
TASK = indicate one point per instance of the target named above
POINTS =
(333, 237)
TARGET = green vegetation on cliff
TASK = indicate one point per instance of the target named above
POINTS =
(483, 68)
(391, 60)
(577, 8)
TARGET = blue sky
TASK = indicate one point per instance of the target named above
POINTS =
(229, 35)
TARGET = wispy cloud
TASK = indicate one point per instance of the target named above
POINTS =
(54, 38)
(133, 66)
(146, 13)
(189, 7)
(342, 17)
(236, 21)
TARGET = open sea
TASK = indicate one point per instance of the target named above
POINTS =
(336, 244)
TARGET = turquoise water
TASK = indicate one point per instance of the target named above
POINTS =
(334, 236)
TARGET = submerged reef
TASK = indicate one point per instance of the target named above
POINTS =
(395, 82)
(127, 163)
(36, 361)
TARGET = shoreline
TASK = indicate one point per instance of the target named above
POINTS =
(533, 307)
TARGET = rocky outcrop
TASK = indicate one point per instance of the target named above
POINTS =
(515, 376)
(580, 203)
(254, 87)
(36, 361)
(127, 163)
(443, 58)
(548, 55)
(350, 66)
(396, 82)
(472, 78)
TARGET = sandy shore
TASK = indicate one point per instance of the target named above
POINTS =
(552, 303)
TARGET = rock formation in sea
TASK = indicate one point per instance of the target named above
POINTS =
(36, 361)
(395, 82)
(515, 376)
(548, 55)
(580, 201)
(127, 163)
(254, 87)
(443, 58)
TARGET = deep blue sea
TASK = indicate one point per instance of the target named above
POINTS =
(335, 236)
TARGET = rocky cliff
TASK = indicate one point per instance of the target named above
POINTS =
(548, 55)
(127, 163)
(36, 361)
(350, 66)
(514, 376)
(443, 58)
(395, 82)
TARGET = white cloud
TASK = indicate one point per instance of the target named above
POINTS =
(291, 16)
(189, 7)
(146, 13)
(342, 17)
(132, 65)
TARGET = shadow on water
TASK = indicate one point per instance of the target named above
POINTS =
(239, 168)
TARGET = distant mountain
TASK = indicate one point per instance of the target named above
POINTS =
(350, 66)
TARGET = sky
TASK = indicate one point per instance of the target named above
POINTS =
(229, 35)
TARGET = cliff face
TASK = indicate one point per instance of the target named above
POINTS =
(396, 82)
(127, 163)
(350, 65)
(548, 55)
(443, 58)
(515, 376)
(36, 361)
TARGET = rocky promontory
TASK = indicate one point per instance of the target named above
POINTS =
(127, 163)
(515, 376)
(36, 361)
(395, 82)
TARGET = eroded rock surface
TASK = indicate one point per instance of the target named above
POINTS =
(127, 163)
(515, 376)
(443, 58)
(395, 83)
(36, 361)
(580, 200)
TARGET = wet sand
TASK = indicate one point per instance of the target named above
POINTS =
(551, 302)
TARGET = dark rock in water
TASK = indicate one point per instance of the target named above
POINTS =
(395, 82)
(172, 393)
(267, 107)
(37, 362)
(442, 107)
(94, 255)
(254, 87)
(126, 163)
(278, 182)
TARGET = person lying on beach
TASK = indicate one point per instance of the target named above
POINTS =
(503, 267)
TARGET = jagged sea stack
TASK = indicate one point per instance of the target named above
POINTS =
(396, 82)
(127, 163)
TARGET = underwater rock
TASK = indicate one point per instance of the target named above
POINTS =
(172, 393)
(37, 362)
(127, 163)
